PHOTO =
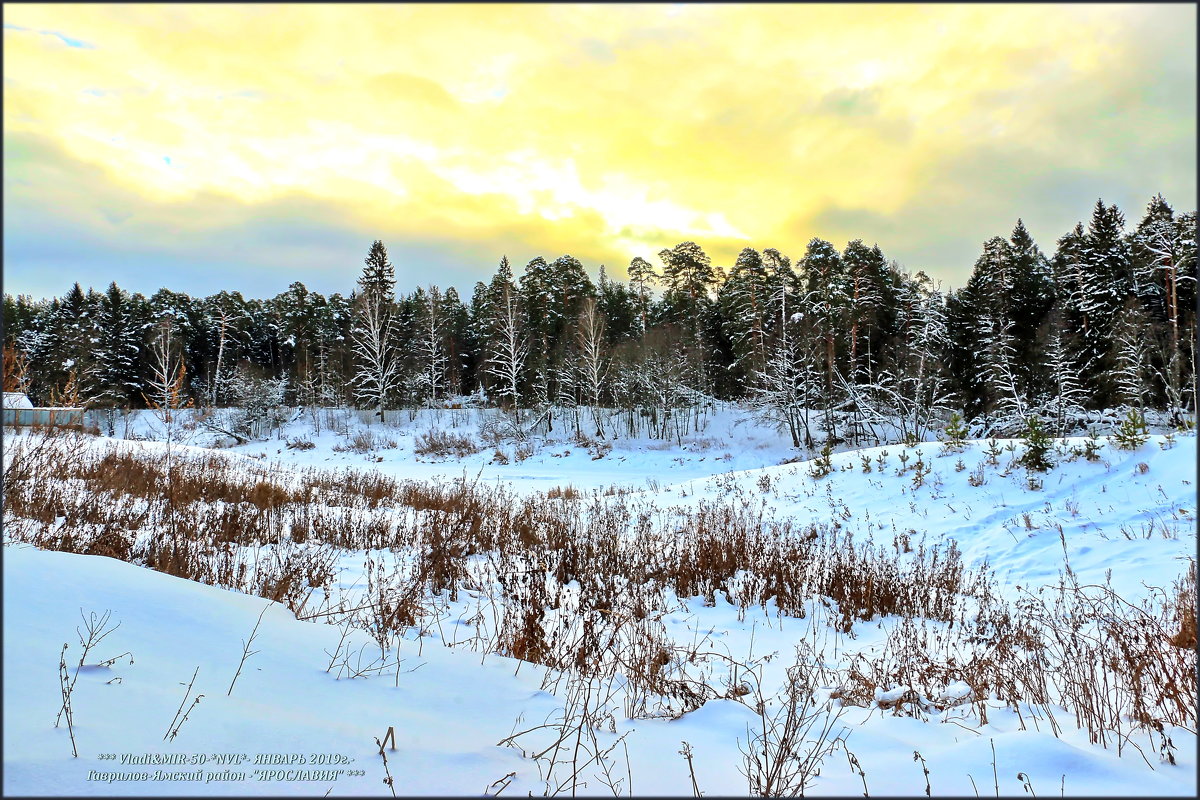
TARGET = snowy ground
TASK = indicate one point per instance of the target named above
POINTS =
(728, 440)
(1131, 512)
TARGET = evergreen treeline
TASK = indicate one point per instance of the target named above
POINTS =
(839, 342)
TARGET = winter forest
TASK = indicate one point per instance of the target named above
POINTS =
(832, 346)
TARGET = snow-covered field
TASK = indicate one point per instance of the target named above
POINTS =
(1090, 551)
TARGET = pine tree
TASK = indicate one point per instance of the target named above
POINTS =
(552, 296)
(460, 361)
(621, 309)
(688, 277)
(642, 279)
(1159, 252)
(1031, 296)
(1037, 447)
(688, 273)
(867, 290)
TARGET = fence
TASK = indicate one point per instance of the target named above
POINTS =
(43, 418)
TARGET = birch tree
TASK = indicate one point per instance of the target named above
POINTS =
(593, 361)
(431, 349)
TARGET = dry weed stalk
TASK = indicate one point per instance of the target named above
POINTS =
(575, 746)
(785, 753)
(66, 687)
(388, 781)
(96, 628)
(173, 728)
(246, 651)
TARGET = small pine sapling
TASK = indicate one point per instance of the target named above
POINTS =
(920, 470)
(822, 465)
(956, 434)
(1131, 433)
(1037, 447)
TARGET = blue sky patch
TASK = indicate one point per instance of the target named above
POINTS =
(69, 41)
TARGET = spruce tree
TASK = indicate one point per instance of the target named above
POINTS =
(117, 349)
(377, 375)
(745, 316)
(1104, 283)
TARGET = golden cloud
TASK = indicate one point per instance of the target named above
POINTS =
(622, 129)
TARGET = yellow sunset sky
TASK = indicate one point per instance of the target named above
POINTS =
(208, 147)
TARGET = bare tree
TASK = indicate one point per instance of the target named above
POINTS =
(167, 374)
(780, 395)
(1067, 395)
(226, 311)
(430, 343)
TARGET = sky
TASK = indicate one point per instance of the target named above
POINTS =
(244, 147)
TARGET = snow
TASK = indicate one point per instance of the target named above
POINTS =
(16, 400)
(1128, 512)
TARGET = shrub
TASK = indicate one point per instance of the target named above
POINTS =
(364, 442)
(442, 444)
